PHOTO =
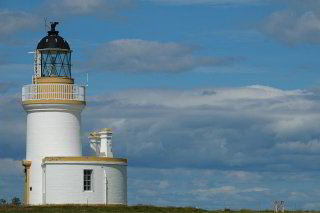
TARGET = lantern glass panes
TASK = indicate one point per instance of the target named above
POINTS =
(55, 63)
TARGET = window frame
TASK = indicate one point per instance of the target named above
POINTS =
(89, 186)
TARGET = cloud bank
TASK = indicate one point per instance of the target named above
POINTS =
(136, 55)
(101, 8)
(14, 21)
(209, 2)
(250, 128)
(299, 22)
(234, 144)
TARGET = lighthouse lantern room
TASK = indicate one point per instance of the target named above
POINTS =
(53, 55)
(55, 170)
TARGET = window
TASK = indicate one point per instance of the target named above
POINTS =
(87, 180)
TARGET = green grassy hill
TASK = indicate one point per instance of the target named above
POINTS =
(98, 209)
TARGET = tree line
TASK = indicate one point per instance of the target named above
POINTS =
(15, 201)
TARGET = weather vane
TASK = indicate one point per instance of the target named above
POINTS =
(53, 26)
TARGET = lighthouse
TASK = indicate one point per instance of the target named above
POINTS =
(55, 170)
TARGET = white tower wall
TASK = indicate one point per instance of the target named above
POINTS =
(52, 130)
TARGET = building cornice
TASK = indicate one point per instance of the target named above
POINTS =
(85, 159)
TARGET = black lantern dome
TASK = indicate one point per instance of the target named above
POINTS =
(54, 54)
(53, 41)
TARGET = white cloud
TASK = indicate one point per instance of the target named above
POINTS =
(312, 146)
(87, 7)
(12, 126)
(298, 195)
(242, 176)
(15, 21)
(299, 22)
(213, 189)
(287, 125)
(311, 205)
(136, 55)
(212, 2)
(10, 167)
(228, 190)
(291, 27)
(164, 184)
(5, 86)
(11, 178)
(208, 97)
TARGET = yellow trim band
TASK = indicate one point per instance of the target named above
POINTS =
(54, 80)
(86, 159)
(53, 102)
(108, 130)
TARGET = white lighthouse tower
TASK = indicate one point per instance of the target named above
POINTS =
(55, 170)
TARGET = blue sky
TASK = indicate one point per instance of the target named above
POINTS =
(214, 102)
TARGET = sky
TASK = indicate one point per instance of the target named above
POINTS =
(214, 102)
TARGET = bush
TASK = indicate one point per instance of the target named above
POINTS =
(3, 201)
(15, 201)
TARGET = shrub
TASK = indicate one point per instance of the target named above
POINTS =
(15, 201)
(3, 201)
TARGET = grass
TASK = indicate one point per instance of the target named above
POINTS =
(117, 209)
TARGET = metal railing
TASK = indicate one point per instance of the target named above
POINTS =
(53, 92)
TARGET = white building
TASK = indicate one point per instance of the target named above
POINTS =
(55, 170)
